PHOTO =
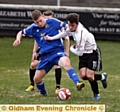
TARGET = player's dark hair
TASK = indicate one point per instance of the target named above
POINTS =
(36, 14)
(48, 13)
(73, 18)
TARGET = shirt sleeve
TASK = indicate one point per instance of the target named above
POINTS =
(27, 31)
(60, 25)
(76, 52)
(61, 35)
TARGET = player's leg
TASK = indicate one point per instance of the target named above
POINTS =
(93, 83)
(31, 76)
(40, 73)
(39, 82)
(32, 71)
(91, 67)
(87, 74)
(58, 75)
(65, 63)
(103, 78)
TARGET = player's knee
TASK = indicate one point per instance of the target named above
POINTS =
(90, 78)
(84, 78)
(67, 66)
(36, 80)
(32, 66)
(65, 63)
(83, 75)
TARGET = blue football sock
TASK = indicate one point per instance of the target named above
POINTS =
(41, 87)
(73, 75)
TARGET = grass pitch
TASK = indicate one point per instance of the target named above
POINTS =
(14, 78)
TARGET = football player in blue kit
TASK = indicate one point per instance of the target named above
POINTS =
(51, 52)
(35, 61)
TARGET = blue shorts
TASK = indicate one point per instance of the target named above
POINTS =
(49, 60)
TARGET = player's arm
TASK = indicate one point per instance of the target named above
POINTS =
(18, 38)
(67, 45)
(60, 35)
(60, 26)
(35, 47)
(24, 32)
(76, 52)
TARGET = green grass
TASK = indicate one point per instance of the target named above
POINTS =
(14, 78)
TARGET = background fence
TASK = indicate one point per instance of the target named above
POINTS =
(99, 21)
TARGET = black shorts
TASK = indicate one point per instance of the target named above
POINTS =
(89, 60)
(38, 57)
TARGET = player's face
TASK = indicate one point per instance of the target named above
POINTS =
(72, 26)
(40, 21)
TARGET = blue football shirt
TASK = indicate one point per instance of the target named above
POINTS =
(51, 28)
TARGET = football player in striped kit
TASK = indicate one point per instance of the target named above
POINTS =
(88, 52)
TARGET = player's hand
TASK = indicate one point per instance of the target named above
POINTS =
(74, 46)
(47, 38)
(16, 42)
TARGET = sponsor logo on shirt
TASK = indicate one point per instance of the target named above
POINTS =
(46, 26)
(37, 30)
(42, 36)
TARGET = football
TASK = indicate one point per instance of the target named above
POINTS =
(64, 94)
